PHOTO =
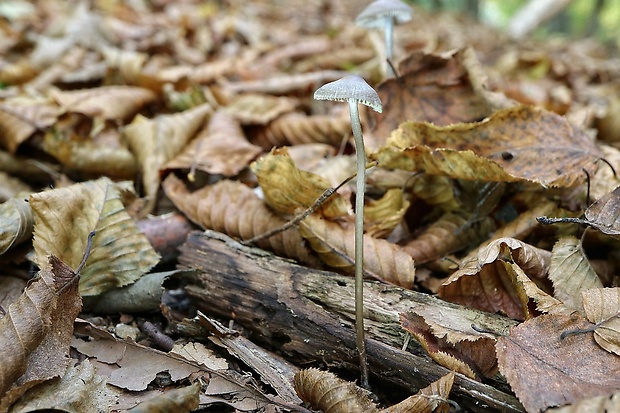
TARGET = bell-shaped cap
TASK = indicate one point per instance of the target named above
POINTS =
(374, 15)
(350, 88)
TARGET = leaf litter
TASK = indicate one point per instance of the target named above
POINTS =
(207, 108)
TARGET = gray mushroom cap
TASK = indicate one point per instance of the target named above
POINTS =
(375, 14)
(350, 88)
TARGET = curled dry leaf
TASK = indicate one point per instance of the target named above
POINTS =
(505, 147)
(220, 148)
(297, 128)
(20, 118)
(433, 398)
(184, 399)
(450, 233)
(16, 222)
(604, 214)
(571, 273)
(36, 331)
(384, 214)
(107, 102)
(259, 109)
(64, 217)
(436, 190)
(602, 308)
(155, 141)
(453, 343)
(287, 188)
(324, 391)
(335, 245)
(597, 404)
(545, 369)
(489, 282)
(605, 180)
(233, 208)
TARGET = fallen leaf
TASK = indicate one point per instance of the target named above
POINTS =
(597, 404)
(433, 398)
(602, 308)
(16, 221)
(20, 118)
(505, 147)
(335, 245)
(64, 217)
(259, 109)
(604, 214)
(287, 188)
(183, 399)
(36, 331)
(382, 215)
(545, 370)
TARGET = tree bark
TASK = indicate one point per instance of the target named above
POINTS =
(308, 315)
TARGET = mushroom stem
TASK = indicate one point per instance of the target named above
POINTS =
(389, 45)
(356, 126)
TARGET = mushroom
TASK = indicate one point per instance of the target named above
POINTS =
(353, 90)
(384, 14)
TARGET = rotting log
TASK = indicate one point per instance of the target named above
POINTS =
(308, 315)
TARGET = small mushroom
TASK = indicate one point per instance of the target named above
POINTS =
(384, 14)
(354, 90)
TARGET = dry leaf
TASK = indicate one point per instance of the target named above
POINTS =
(382, 215)
(324, 391)
(181, 400)
(155, 141)
(436, 190)
(602, 308)
(16, 222)
(287, 188)
(604, 214)
(20, 118)
(64, 217)
(232, 208)
(335, 245)
(571, 273)
(220, 148)
(36, 331)
(600, 404)
(259, 109)
(505, 147)
(489, 282)
(433, 398)
(107, 102)
(545, 370)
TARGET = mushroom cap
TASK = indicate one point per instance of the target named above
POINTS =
(350, 88)
(374, 14)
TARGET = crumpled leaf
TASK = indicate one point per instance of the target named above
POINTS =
(36, 331)
(155, 141)
(599, 404)
(433, 398)
(181, 400)
(233, 208)
(545, 370)
(325, 391)
(21, 117)
(382, 215)
(335, 245)
(64, 217)
(489, 282)
(604, 214)
(602, 308)
(107, 102)
(287, 188)
(571, 273)
(220, 148)
(505, 147)
(68, 394)
(259, 109)
(16, 221)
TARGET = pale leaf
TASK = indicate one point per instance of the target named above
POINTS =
(602, 308)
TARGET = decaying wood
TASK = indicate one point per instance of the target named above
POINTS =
(308, 315)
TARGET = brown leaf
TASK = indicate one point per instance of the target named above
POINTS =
(259, 109)
(433, 398)
(16, 222)
(155, 141)
(36, 331)
(287, 188)
(545, 370)
(489, 282)
(324, 391)
(220, 148)
(297, 128)
(604, 214)
(602, 308)
(505, 147)
(20, 118)
(107, 102)
(599, 404)
(571, 273)
(232, 208)
(382, 215)
(335, 245)
(183, 399)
